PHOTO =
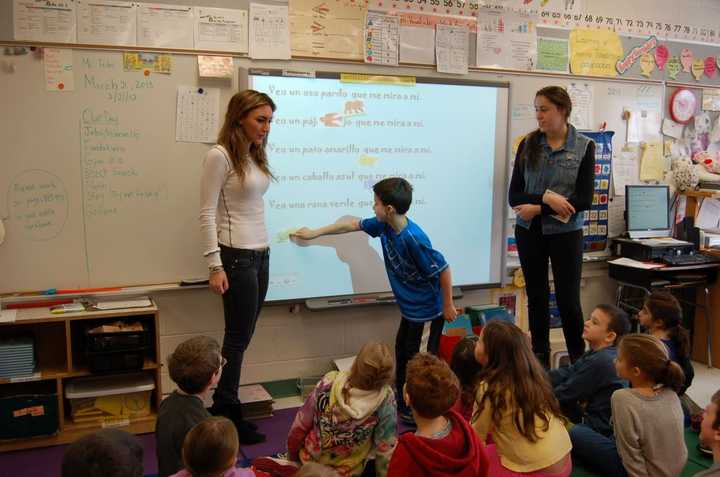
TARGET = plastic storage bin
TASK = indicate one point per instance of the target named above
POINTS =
(116, 350)
(106, 398)
(28, 415)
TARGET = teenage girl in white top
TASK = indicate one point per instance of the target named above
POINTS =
(235, 177)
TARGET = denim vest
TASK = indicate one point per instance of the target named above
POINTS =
(557, 171)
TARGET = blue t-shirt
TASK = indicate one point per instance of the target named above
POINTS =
(413, 268)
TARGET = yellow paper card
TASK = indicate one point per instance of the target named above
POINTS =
(652, 163)
(594, 52)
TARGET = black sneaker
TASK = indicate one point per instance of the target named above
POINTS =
(247, 431)
(232, 412)
(247, 435)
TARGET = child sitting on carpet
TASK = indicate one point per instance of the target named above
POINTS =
(515, 403)
(350, 416)
(210, 450)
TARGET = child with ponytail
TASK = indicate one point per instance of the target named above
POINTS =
(661, 316)
(350, 416)
(648, 418)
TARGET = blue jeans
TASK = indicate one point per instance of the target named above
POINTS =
(596, 451)
(247, 272)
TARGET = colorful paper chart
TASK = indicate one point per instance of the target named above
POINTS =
(595, 228)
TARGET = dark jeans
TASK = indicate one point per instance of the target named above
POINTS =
(565, 253)
(247, 272)
(596, 451)
(407, 344)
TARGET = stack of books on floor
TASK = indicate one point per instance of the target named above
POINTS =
(17, 357)
(256, 401)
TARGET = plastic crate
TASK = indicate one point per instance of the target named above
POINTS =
(28, 415)
(115, 351)
(125, 396)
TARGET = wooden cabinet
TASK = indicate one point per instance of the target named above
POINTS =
(700, 343)
(60, 358)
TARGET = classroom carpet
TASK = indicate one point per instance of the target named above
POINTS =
(45, 462)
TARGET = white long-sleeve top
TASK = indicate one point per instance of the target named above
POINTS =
(232, 212)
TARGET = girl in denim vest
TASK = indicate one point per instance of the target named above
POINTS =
(552, 183)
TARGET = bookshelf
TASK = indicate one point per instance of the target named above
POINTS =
(60, 359)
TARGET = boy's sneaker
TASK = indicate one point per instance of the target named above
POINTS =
(276, 467)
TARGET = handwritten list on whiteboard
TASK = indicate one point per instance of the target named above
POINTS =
(198, 112)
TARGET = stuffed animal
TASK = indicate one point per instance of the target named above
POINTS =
(703, 124)
(684, 174)
(715, 131)
(711, 162)
(693, 141)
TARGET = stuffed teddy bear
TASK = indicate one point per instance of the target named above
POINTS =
(684, 174)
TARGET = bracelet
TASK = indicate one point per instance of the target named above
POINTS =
(216, 268)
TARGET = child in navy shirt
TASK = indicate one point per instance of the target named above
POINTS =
(419, 275)
(583, 389)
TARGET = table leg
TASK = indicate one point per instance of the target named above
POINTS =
(708, 327)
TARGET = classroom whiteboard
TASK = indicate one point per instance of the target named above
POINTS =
(96, 191)
(69, 224)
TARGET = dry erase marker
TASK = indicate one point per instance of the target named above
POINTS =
(68, 308)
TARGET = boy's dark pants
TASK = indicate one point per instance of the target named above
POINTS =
(407, 344)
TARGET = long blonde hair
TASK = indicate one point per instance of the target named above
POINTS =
(232, 137)
(373, 368)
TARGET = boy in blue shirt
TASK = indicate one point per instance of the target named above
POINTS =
(583, 389)
(419, 275)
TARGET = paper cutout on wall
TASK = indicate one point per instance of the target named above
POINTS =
(215, 66)
(269, 32)
(661, 56)
(711, 100)
(594, 52)
(673, 67)
(582, 101)
(710, 67)
(506, 40)
(686, 59)
(647, 64)
(155, 62)
(451, 49)
(698, 68)
(382, 39)
(552, 54)
(59, 74)
(652, 163)
(626, 63)
(327, 29)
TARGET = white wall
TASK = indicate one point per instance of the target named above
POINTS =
(288, 345)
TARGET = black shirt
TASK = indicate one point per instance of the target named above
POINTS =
(177, 415)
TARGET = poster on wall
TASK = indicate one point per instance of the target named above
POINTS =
(595, 228)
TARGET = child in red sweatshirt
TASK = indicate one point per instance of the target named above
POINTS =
(444, 444)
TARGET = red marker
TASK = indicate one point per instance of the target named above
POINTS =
(37, 304)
